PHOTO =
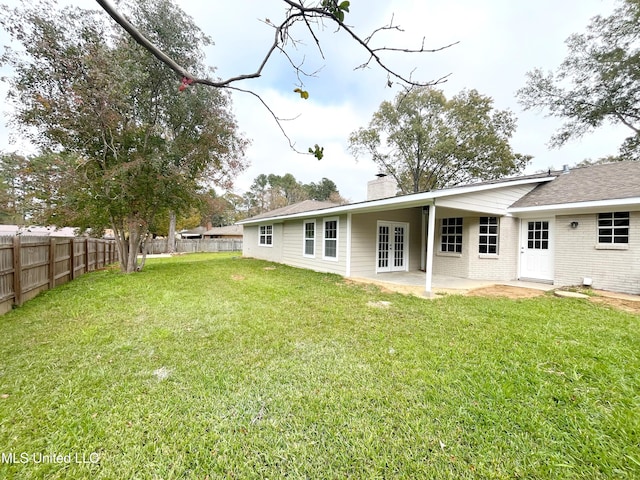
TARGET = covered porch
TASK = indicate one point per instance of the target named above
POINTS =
(413, 282)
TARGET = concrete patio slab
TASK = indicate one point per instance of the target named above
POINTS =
(414, 282)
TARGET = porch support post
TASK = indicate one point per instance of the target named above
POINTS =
(423, 239)
(430, 243)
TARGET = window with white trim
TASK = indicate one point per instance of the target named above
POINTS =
(451, 235)
(309, 231)
(488, 238)
(613, 227)
(330, 239)
(538, 235)
(266, 236)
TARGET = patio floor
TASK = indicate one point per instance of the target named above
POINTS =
(414, 282)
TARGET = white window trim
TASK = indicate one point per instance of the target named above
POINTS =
(304, 238)
(488, 256)
(497, 235)
(612, 245)
(447, 253)
(260, 235)
(324, 239)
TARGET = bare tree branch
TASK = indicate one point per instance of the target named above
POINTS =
(277, 119)
(297, 12)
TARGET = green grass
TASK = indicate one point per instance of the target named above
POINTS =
(211, 366)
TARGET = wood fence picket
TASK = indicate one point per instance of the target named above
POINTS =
(31, 264)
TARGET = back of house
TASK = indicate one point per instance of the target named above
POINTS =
(569, 227)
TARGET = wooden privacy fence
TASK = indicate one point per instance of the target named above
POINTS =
(159, 245)
(30, 265)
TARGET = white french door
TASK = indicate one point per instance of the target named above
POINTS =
(392, 247)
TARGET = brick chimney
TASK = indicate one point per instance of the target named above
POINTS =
(384, 186)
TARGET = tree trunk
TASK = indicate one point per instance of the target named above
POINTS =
(171, 240)
(128, 242)
(133, 247)
(143, 247)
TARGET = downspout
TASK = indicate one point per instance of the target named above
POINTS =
(431, 220)
(348, 265)
(520, 249)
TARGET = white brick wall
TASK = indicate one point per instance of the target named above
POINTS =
(503, 266)
(452, 264)
(382, 187)
(577, 256)
(471, 264)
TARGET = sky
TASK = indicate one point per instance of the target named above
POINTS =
(498, 42)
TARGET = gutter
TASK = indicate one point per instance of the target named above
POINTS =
(603, 205)
(405, 201)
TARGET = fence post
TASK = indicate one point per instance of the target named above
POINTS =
(17, 271)
(86, 255)
(52, 263)
(72, 259)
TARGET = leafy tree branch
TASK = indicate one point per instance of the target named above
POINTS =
(597, 83)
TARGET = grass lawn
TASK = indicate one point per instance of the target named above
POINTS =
(212, 366)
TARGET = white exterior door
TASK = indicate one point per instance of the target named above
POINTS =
(536, 250)
(392, 247)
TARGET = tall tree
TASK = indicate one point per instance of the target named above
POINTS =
(597, 83)
(220, 210)
(257, 197)
(322, 191)
(268, 192)
(427, 142)
(285, 190)
(124, 143)
(16, 199)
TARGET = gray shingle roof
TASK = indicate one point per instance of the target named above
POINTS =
(609, 181)
(228, 230)
(300, 207)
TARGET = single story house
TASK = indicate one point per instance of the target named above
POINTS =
(192, 234)
(571, 227)
(36, 231)
(228, 232)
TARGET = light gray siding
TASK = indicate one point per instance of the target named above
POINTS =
(578, 256)
(364, 232)
(490, 201)
(293, 253)
(252, 248)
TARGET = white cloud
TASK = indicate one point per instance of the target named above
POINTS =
(325, 125)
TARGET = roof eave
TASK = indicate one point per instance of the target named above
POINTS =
(577, 207)
(404, 201)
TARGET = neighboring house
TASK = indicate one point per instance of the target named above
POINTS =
(193, 234)
(230, 232)
(34, 230)
(570, 227)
